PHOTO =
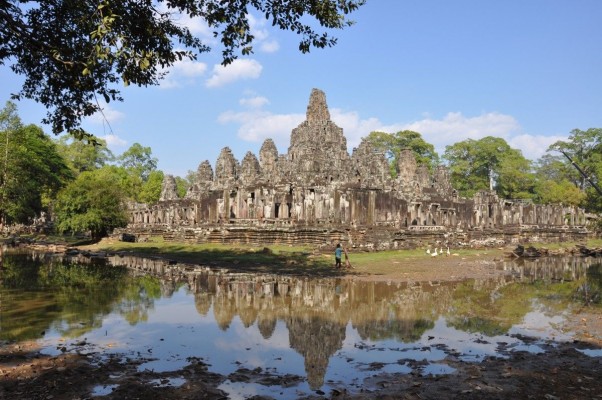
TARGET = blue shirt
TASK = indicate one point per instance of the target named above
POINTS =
(338, 252)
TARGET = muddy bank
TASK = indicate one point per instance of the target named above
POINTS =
(563, 371)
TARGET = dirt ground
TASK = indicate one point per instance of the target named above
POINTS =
(561, 372)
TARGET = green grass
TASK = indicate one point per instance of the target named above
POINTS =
(278, 258)
(295, 260)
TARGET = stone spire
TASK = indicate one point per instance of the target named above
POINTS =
(268, 160)
(317, 109)
(204, 173)
(406, 167)
(318, 149)
(226, 168)
(168, 189)
(249, 169)
(202, 181)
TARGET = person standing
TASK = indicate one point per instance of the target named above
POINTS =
(338, 252)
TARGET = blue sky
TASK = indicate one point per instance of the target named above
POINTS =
(526, 71)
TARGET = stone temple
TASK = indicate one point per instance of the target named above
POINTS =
(318, 193)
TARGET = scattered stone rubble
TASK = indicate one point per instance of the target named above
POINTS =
(319, 194)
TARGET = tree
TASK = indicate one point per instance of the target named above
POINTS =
(82, 157)
(138, 161)
(151, 189)
(393, 143)
(182, 186)
(515, 177)
(561, 191)
(585, 149)
(73, 52)
(475, 164)
(32, 169)
(94, 202)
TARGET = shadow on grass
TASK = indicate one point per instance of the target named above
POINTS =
(294, 263)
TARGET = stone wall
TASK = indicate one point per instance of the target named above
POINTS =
(318, 193)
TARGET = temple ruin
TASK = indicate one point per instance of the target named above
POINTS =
(320, 194)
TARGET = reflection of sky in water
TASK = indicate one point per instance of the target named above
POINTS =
(175, 331)
(540, 324)
(103, 390)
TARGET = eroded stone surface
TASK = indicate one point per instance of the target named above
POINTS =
(318, 193)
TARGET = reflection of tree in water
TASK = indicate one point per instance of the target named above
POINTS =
(43, 291)
(316, 339)
(590, 292)
(139, 297)
(402, 330)
(493, 306)
(399, 311)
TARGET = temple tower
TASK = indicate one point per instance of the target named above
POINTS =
(318, 151)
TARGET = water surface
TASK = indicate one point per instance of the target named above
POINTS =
(313, 334)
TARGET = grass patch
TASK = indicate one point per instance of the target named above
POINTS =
(293, 260)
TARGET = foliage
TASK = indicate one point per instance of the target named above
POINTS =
(93, 202)
(31, 169)
(393, 143)
(181, 186)
(136, 166)
(559, 192)
(138, 160)
(515, 178)
(585, 149)
(191, 177)
(151, 189)
(475, 163)
(83, 157)
(71, 298)
(73, 52)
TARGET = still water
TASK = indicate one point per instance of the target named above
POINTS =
(313, 334)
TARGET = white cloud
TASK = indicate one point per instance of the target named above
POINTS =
(182, 73)
(257, 125)
(533, 146)
(269, 46)
(190, 68)
(197, 25)
(355, 128)
(261, 35)
(107, 114)
(257, 26)
(239, 69)
(114, 141)
(455, 127)
(254, 102)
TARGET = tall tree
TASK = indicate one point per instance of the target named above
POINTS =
(138, 160)
(392, 144)
(71, 52)
(182, 186)
(94, 203)
(151, 189)
(585, 149)
(32, 169)
(559, 192)
(477, 164)
(83, 157)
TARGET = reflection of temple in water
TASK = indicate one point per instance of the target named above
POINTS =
(317, 312)
(316, 339)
